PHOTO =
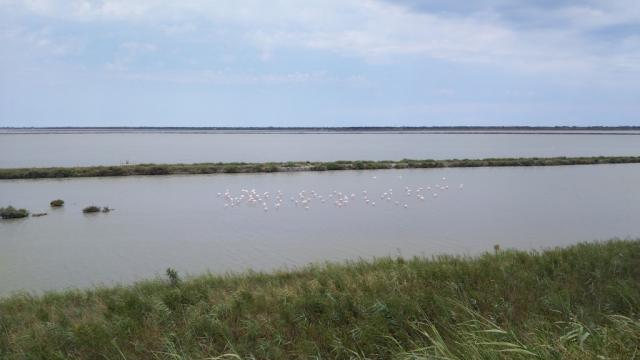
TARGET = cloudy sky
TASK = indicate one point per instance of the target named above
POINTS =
(319, 63)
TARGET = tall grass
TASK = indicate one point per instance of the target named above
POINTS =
(580, 302)
(219, 168)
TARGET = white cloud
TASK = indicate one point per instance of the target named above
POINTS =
(223, 77)
(379, 31)
(382, 31)
(40, 42)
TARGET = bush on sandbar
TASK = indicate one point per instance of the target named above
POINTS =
(57, 203)
(12, 213)
(91, 209)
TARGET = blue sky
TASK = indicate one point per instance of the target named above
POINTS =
(319, 63)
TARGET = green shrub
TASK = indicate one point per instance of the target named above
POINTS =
(62, 173)
(158, 170)
(231, 169)
(174, 279)
(335, 166)
(12, 213)
(57, 203)
(91, 209)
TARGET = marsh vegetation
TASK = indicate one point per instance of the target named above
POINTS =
(91, 209)
(57, 203)
(573, 303)
(10, 212)
(242, 167)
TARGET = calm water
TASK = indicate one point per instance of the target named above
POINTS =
(181, 222)
(82, 149)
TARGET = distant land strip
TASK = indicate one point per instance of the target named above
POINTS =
(321, 128)
(290, 166)
(523, 130)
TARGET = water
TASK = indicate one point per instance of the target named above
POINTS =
(181, 222)
(84, 149)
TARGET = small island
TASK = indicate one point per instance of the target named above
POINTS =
(91, 209)
(12, 213)
(57, 203)
(96, 209)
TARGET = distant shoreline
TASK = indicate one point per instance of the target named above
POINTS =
(294, 166)
(546, 130)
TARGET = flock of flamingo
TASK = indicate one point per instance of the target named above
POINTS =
(306, 198)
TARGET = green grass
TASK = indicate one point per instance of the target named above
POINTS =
(221, 168)
(580, 302)
(10, 212)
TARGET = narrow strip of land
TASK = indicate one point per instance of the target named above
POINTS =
(270, 167)
(323, 128)
(580, 302)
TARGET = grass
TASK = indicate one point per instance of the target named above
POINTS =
(229, 168)
(91, 209)
(579, 302)
(10, 212)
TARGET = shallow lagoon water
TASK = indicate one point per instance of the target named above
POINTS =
(181, 222)
(86, 149)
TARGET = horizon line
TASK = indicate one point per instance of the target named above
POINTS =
(436, 127)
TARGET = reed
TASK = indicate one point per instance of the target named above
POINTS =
(579, 302)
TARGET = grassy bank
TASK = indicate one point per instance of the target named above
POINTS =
(220, 168)
(580, 302)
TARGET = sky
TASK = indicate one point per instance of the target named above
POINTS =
(319, 63)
